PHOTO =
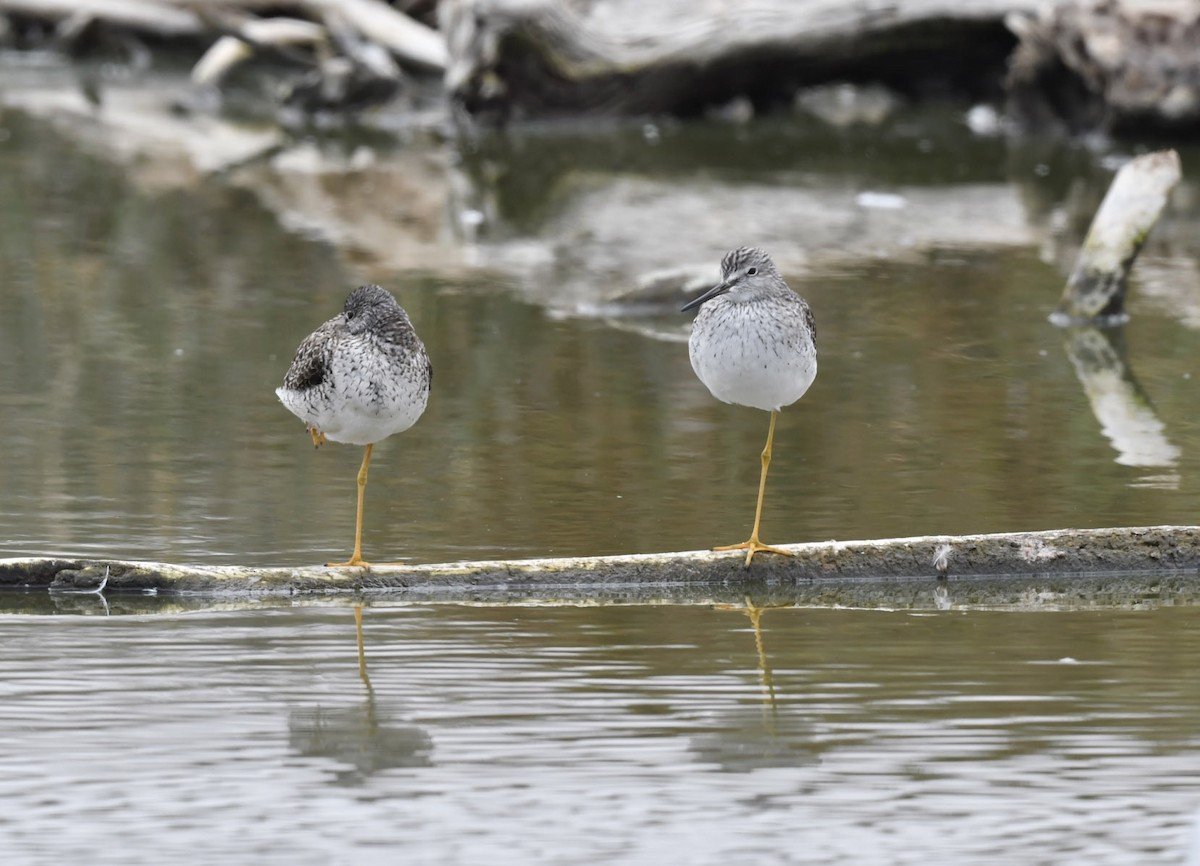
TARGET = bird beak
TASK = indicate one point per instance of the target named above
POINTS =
(719, 289)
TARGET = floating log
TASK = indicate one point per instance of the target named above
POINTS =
(1136, 198)
(630, 57)
(1087, 567)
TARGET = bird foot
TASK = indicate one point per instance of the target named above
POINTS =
(318, 437)
(355, 562)
(754, 546)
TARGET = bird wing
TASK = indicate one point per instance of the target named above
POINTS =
(314, 357)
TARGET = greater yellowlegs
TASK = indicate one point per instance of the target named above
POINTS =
(753, 343)
(359, 378)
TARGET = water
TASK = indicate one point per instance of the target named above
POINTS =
(586, 735)
(147, 312)
(145, 324)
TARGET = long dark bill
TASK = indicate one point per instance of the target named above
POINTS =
(719, 289)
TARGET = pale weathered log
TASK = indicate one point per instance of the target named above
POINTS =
(228, 51)
(1133, 204)
(1116, 65)
(146, 15)
(629, 56)
(409, 40)
(1090, 567)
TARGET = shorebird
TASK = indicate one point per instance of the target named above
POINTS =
(359, 378)
(753, 343)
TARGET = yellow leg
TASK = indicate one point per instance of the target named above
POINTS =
(753, 545)
(356, 559)
(318, 437)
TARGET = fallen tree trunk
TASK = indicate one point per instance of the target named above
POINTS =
(629, 57)
(1039, 569)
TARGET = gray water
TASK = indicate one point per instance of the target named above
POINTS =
(147, 311)
(600, 735)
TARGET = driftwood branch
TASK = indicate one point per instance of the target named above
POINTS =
(253, 34)
(408, 40)
(1133, 204)
(164, 19)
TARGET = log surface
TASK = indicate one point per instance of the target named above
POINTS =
(629, 57)
(1132, 206)
(1072, 568)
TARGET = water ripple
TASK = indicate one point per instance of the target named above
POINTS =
(585, 735)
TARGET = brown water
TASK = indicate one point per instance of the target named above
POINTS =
(600, 735)
(144, 325)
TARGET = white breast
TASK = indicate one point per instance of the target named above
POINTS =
(746, 357)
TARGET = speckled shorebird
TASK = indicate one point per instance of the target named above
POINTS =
(754, 343)
(359, 378)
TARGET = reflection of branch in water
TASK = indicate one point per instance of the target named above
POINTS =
(1120, 405)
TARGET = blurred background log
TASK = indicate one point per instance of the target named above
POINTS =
(1112, 65)
(628, 57)
(1076, 65)
(347, 52)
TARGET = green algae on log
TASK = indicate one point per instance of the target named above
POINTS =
(1101, 567)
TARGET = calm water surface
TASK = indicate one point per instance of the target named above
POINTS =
(143, 330)
(599, 735)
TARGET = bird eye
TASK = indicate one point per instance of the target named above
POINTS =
(751, 272)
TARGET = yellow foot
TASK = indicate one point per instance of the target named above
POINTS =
(317, 436)
(754, 546)
(355, 562)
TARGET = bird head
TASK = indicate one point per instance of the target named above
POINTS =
(369, 307)
(745, 273)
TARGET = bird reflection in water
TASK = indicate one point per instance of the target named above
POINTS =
(362, 739)
(755, 613)
(773, 734)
